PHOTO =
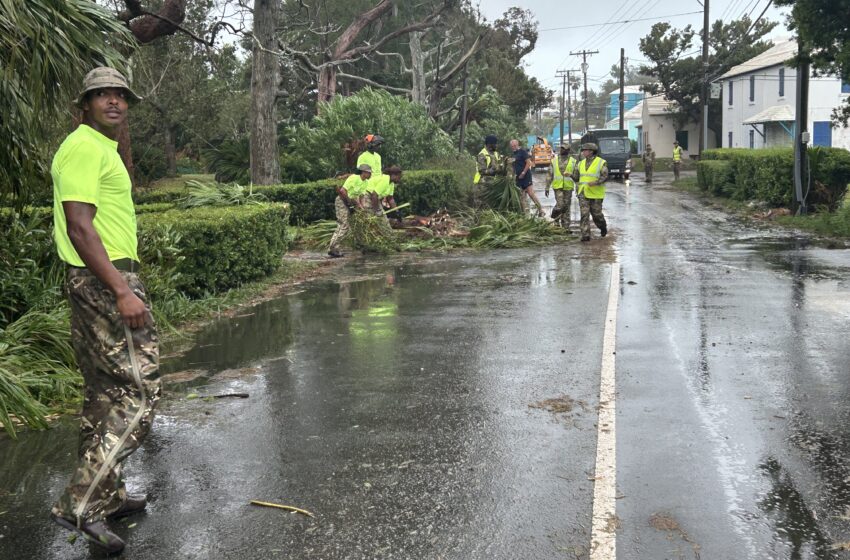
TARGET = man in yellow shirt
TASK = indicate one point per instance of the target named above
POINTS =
(348, 200)
(112, 330)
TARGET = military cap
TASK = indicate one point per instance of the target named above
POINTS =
(590, 146)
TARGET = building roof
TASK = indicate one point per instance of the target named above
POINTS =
(635, 113)
(777, 113)
(658, 105)
(780, 53)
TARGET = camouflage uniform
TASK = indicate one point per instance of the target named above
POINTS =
(489, 164)
(343, 214)
(648, 158)
(591, 207)
(118, 406)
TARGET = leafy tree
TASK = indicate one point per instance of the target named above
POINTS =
(679, 76)
(822, 27)
(45, 49)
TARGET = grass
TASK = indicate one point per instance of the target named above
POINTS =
(836, 224)
(686, 184)
(179, 183)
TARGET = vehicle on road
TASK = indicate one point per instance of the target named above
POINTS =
(542, 153)
(616, 149)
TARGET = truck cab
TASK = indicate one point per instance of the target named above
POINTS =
(616, 149)
(541, 153)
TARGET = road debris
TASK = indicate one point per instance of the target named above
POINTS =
(281, 506)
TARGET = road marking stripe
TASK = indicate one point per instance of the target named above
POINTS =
(603, 538)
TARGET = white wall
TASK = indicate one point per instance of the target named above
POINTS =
(660, 131)
(824, 95)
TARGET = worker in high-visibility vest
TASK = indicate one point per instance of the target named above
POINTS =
(591, 173)
(489, 164)
(561, 181)
(677, 159)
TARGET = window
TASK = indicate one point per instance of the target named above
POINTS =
(752, 88)
(752, 138)
(730, 140)
(845, 88)
(730, 92)
(822, 133)
(782, 82)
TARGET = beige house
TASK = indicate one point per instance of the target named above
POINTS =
(658, 127)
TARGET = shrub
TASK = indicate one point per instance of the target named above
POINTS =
(768, 174)
(230, 161)
(715, 177)
(223, 247)
(412, 137)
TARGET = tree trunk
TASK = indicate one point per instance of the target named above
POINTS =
(417, 58)
(265, 164)
(170, 150)
(327, 83)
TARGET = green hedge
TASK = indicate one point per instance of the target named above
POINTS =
(426, 191)
(715, 177)
(222, 247)
(768, 174)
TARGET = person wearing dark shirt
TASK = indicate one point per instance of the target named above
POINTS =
(522, 170)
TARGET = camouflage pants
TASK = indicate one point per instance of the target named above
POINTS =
(478, 191)
(563, 202)
(648, 171)
(342, 227)
(119, 401)
(591, 208)
(677, 167)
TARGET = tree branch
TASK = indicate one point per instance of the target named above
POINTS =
(372, 83)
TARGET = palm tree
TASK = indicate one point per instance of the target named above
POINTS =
(46, 46)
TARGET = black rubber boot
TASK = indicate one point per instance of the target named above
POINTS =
(97, 533)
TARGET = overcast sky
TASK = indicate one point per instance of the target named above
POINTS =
(553, 47)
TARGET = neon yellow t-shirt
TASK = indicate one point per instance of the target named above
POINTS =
(382, 186)
(355, 186)
(87, 168)
(373, 161)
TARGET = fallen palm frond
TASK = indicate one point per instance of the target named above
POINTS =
(218, 194)
(502, 195)
(496, 230)
(372, 234)
(36, 367)
(316, 235)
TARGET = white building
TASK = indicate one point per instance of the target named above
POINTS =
(659, 128)
(631, 120)
(759, 100)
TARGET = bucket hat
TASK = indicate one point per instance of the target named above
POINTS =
(105, 77)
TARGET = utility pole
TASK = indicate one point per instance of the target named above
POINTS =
(564, 74)
(622, 88)
(703, 137)
(463, 110)
(801, 135)
(583, 54)
(569, 113)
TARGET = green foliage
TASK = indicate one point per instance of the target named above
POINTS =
(309, 202)
(824, 223)
(218, 194)
(411, 135)
(502, 195)
(768, 175)
(230, 161)
(46, 47)
(715, 177)
(372, 234)
(428, 191)
(222, 247)
(509, 230)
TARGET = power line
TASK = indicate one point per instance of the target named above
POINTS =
(618, 22)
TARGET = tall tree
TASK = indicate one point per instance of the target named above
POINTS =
(823, 30)
(678, 76)
(265, 162)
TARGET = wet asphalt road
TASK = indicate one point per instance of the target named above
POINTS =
(398, 401)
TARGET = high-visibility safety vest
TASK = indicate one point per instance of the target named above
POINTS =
(373, 160)
(561, 180)
(589, 174)
(486, 154)
(677, 153)
(382, 186)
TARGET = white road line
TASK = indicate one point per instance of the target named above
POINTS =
(603, 538)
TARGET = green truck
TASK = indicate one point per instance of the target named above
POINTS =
(615, 148)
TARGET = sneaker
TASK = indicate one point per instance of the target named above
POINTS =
(334, 254)
(97, 533)
(541, 213)
(133, 504)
